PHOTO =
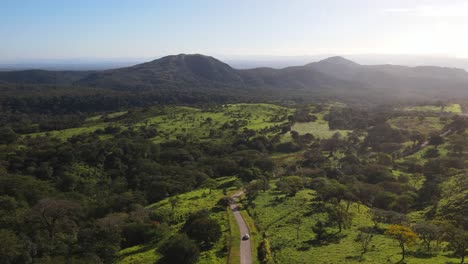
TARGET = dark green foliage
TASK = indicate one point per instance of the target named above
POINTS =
(348, 118)
(138, 233)
(180, 249)
(204, 230)
(290, 185)
(224, 202)
(436, 140)
(7, 135)
(10, 246)
(431, 153)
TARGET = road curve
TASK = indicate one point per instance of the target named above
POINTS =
(245, 248)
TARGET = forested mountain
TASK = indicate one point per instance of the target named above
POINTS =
(332, 77)
(180, 71)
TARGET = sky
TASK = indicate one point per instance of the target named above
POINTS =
(58, 29)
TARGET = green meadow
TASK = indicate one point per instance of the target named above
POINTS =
(176, 121)
(426, 125)
(273, 214)
(450, 108)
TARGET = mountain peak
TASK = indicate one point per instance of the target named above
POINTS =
(338, 60)
(183, 57)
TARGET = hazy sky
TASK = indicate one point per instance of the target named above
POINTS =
(59, 29)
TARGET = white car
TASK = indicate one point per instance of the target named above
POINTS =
(245, 237)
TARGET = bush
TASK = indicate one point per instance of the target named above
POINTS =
(225, 201)
(137, 233)
(264, 252)
(205, 231)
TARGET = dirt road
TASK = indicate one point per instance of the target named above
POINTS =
(245, 250)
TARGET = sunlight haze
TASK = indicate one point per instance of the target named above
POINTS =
(131, 29)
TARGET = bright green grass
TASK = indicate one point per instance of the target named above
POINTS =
(319, 128)
(192, 122)
(443, 151)
(188, 203)
(272, 217)
(451, 108)
(426, 126)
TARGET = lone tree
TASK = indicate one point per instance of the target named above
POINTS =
(364, 239)
(319, 230)
(290, 185)
(403, 235)
(428, 233)
(458, 242)
(337, 214)
(296, 221)
(210, 184)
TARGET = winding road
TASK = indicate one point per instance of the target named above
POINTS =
(245, 248)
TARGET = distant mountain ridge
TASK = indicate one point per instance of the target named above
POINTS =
(192, 72)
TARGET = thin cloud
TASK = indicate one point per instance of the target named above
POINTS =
(437, 11)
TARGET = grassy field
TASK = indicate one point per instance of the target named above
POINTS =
(451, 108)
(194, 123)
(273, 213)
(318, 129)
(188, 203)
(425, 126)
(443, 151)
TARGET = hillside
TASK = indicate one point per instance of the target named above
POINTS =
(171, 72)
(408, 81)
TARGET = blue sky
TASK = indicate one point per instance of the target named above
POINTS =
(53, 29)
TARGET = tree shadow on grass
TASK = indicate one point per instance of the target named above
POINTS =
(226, 184)
(275, 202)
(222, 252)
(353, 258)
(140, 250)
(329, 239)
